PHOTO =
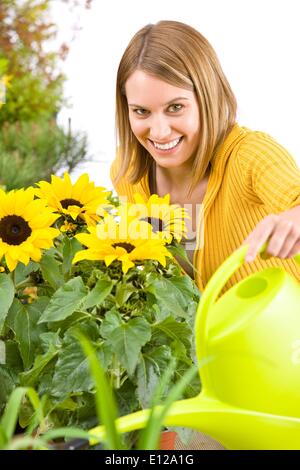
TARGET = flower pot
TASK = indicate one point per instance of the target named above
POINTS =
(170, 440)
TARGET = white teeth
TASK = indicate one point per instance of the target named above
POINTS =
(167, 146)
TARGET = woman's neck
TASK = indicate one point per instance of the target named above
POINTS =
(177, 180)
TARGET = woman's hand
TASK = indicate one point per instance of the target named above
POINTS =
(282, 231)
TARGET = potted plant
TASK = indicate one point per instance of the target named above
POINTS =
(74, 258)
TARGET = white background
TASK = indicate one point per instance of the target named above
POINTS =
(257, 42)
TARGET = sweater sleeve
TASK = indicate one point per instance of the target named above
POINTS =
(269, 172)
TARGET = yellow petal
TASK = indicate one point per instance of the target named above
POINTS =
(109, 259)
(80, 187)
(87, 254)
(126, 265)
(11, 263)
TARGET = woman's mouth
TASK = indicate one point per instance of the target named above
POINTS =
(168, 148)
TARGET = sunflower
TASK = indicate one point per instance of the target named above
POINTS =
(81, 200)
(111, 240)
(25, 227)
(167, 219)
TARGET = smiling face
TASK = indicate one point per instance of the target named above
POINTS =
(164, 119)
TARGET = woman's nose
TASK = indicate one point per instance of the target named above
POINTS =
(160, 129)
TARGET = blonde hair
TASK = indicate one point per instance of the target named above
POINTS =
(177, 54)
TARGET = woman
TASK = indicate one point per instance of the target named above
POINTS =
(177, 131)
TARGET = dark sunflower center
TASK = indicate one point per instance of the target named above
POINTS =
(157, 224)
(70, 202)
(127, 246)
(14, 230)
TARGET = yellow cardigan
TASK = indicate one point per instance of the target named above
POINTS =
(252, 176)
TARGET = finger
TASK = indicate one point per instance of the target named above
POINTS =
(291, 240)
(295, 250)
(259, 236)
(282, 239)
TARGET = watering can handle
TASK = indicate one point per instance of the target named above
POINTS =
(212, 291)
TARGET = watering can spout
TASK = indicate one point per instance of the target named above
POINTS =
(184, 413)
(233, 427)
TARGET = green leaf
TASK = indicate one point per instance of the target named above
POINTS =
(8, 381)
(123, 292)
(12, 356)
(127, 341)
(71, 372)
(98, 294)
(66, 433)
(65, 301)
(169, 298)
(22, 272)
(50, 339)
(74, 319)
(186, 286)
(88, 328)
(67, 404)
(105, 402)
(149, 370)
(193, 388)
(11, 315)
(31, 377)
(179, 251)
(12, 409)
(173, 329)
(2, 352)
(70, 247)
(51, 270)
(27, 330)
(150, 437)
(10, 416)
(111, 321)
(126, 398)
(7, 293)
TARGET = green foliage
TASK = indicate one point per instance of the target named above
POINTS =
(107, 409)
(36, 86)
(35, 90)
(149, 438)
(29, 99)
(105, 403)
(37, 437)
(6, 296)
(31, 151)
(27, 441)
(134, 322)
(32, 145)
(124, 316)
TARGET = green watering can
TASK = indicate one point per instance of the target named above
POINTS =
(250, 338)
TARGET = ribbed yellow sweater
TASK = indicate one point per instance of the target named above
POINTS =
(252, 176)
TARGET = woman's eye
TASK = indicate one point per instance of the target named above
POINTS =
(140, 111)
(173, 108)
(176, 107)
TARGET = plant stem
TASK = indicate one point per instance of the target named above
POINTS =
(115, 375)
(25, 283)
